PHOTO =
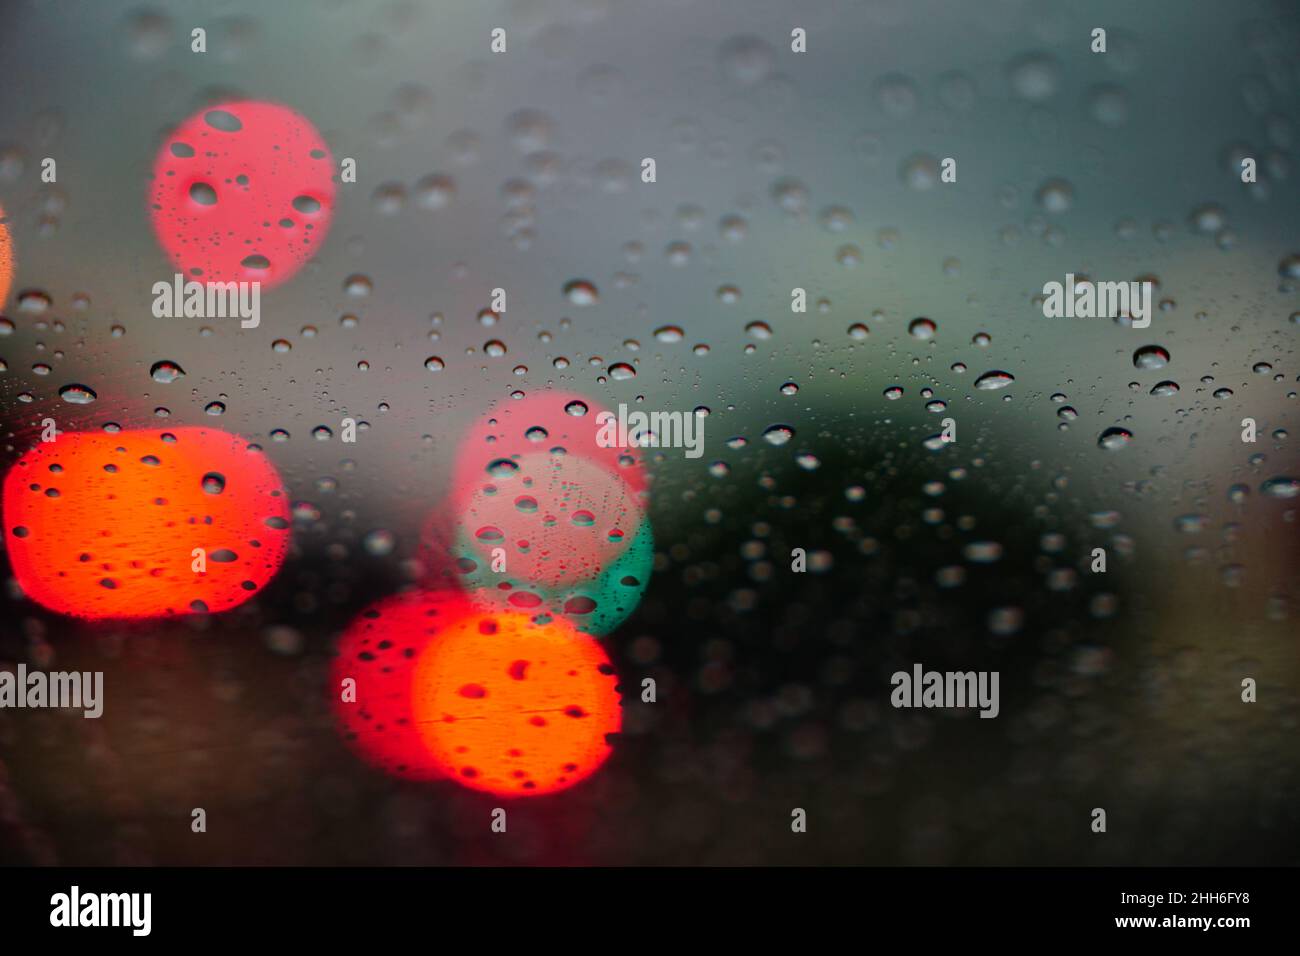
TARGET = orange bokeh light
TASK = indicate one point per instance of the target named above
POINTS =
(515, 708)
(6, 258)
(102, 525)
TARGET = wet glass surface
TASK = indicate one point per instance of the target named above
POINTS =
(822, 430)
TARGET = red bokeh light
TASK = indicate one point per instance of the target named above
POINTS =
(242, 191)
(379, 651)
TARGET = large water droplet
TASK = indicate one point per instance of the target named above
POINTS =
(922, 328)
(1150, 357)
(1281, 486)
(203, 194)
(1113, 439)
(222, 120)
(994, 379)
(165, 371)
(77, 394)
(778, 434)
(581, 292)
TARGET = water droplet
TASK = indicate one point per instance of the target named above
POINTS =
(1208, 218)
(379, 543)
(1033, 77)
(435, 191)
(983, 552)
(1055, 196)
(922, 328)
(791, 195)
(778, 434)
(733, 228)
(77, 394)
(203, 194)
(1281, 486)
(920, 171)
(994, 379)
(836, 218)
(1113, 439)
(34, 301)
(1150, 357)
(388, 199)
(581, 292)
(223, 120)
